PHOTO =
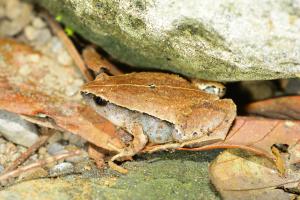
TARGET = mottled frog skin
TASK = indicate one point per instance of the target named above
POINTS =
(161, 109)
(158, 131)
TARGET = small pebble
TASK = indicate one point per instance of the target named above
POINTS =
(30, 32)
(33, 58)
(33, 174)
(55, 148)
(76, 140)
(42, 150)
(66, 135)
(77, 159)
(2, 140)
(2, 148)
(43, 36)
(55, 138)
(25, 70)
(38, 23)
(63, 168)
(17, 18)
(74, 87)
(17, 130)
(56, 45)
(1, 168)
(13, 9)
(64, 58)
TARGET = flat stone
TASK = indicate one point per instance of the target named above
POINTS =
(13, 9)
(78, 159)
(61, 169)
(55, 148)
(17, 130)
(221, 40)
(1, 168)
(43, 36)
(37, 22)
(20, 16)
(31, 32)
(179, 175)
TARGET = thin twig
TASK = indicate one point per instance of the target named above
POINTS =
(39, 163)
(60, 33)
(24, 156)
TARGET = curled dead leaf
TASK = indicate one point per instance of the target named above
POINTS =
(240, 175)
(258, 135)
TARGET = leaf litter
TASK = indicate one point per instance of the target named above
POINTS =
(42, 90)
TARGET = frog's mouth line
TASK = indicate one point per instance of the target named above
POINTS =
(158, 131)
(98, 100)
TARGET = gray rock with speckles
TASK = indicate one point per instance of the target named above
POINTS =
(218, 40)
(55, 148)
(17, 130)
(61, 169)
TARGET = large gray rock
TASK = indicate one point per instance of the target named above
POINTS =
(218, 40)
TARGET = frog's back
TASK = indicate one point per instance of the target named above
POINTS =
(156, 94)
(165, 96)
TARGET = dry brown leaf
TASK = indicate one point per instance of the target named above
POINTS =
(240, 175)
(258, 135)
(280, 108)
(34, 85)
(96, 62)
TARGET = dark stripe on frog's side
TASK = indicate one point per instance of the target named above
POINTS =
(158, 131)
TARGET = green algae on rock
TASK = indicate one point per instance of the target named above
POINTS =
(220, 40)
(179, 175)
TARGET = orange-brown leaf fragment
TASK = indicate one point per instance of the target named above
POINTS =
(240, 175)
(279, 108)
(258, 135)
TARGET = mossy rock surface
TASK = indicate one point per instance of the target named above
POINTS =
(179, 175)
(220, 40)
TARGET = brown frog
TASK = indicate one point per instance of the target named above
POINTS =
(159, 109)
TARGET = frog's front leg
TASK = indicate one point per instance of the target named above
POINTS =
(138, 143)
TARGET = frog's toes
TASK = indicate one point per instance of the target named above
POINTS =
(117, 168)
(164, 147)
(138, 143)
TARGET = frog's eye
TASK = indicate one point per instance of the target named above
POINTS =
(152, 86)
(211, 89)
(99, 101)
